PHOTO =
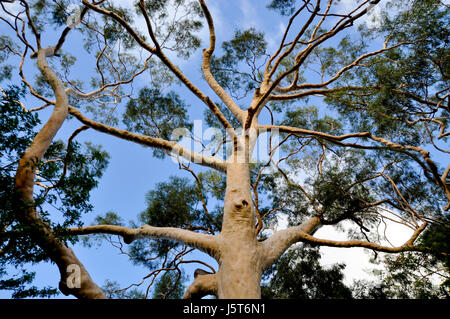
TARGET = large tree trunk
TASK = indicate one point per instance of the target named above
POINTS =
(239, 273)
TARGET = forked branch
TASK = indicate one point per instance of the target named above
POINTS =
(275, 246)
(206, 67)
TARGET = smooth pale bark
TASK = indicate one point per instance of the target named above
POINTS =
(41, 231)
(203, 285)
(279, 242)
(203, 242)
(239, 273)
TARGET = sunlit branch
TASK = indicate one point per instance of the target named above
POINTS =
(203, 242)
(154, 142)
(206, 67)
(294, 86)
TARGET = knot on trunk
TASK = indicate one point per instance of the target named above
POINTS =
(239, 204)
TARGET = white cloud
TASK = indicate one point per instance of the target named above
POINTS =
(357, 260)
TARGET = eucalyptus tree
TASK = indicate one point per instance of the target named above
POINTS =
(361, 110)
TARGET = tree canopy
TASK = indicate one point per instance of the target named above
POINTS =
(338, 117)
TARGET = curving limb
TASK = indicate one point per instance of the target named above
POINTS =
(277, 244)
(204, 284)
(57, 250)
(206, 68)
(157, 51)
(203, 242)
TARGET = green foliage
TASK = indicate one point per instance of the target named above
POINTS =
(212, 121)
(299, 275)
(156, 114)
(6, 48)
(172, 204)
(16, 250)
(170, 286)
(213, 183)
(405, 276)
(175, 203)
(19, 285)
(308, 118)
(390, 81)
(246, 48)
(176, 24)
(110, 218)
(285, 7)
(75, 177)
(50, 11)
(17, 126)
(437, 237)
(112, 290)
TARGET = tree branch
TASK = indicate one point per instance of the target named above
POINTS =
(276, 245)
(350, 66)
(164, 59)
(203, 242)
(344, 23)
(154, 142)
(41, 231)
(203, 285)
(273, 247)
(407, 246)
(206, 67)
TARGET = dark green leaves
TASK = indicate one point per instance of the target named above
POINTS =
(299, 275)
(172, 204)
(308, 118)
(19, 285)
(285, 7)
(394, 85)
(16, 125)
(113, 31)
(238, 69)
(437, 237)
(156, 114)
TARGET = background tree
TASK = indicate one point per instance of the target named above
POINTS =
(362, 121)
(299, 275)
